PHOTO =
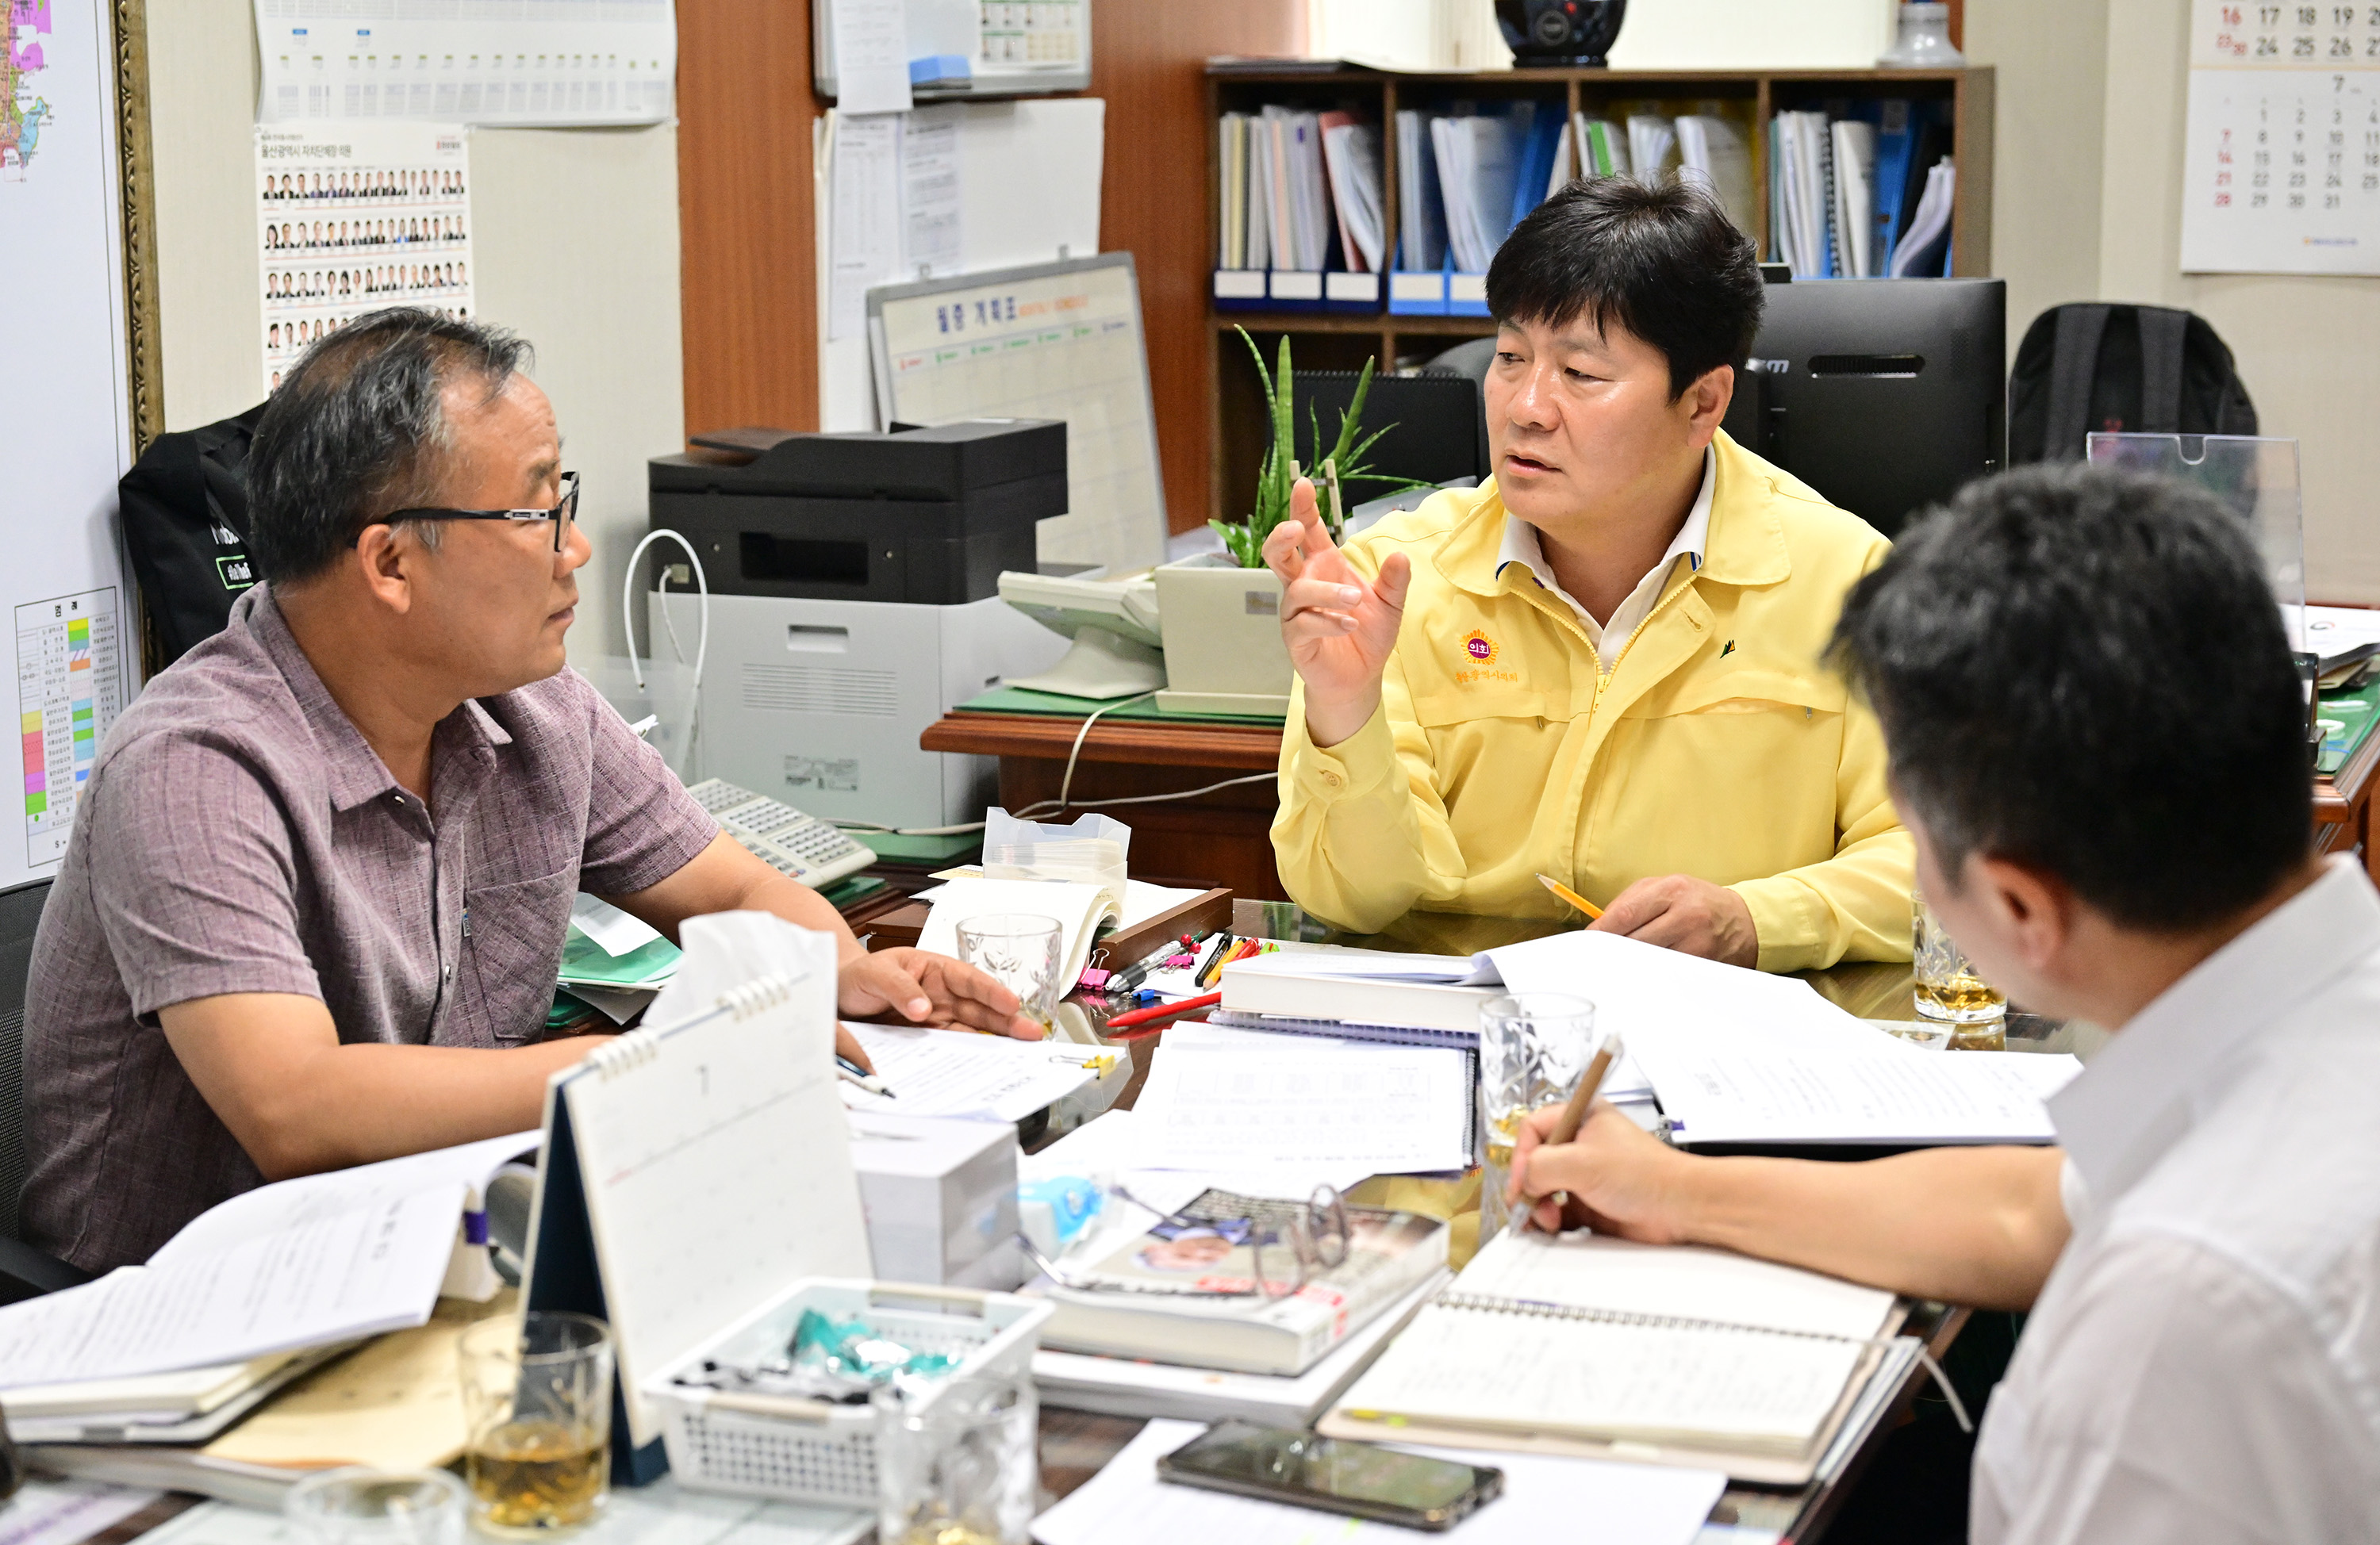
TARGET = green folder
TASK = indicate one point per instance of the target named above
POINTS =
(649, 965)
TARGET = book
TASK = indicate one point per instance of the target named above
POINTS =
(1147, 1311)
(191, 1406)
(1854, 203)
(1396, 1002)
(1421, 239)
(1602, 148)
(1135, 1387)
(1231, 186)
(1600, 1347)
(1713, 151)
(1081, 908)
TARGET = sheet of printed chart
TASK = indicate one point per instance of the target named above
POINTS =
(66, 435)
(2282, 172)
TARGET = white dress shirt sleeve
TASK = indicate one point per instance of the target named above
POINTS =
(2184, 1397)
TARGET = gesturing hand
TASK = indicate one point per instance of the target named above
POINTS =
(1340, 626)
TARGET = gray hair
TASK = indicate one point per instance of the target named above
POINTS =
(358, 429)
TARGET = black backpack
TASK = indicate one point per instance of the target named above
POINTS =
(2144, 369)
(185, 506)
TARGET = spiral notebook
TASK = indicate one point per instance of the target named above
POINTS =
(1594, 1346)
(689, 1172)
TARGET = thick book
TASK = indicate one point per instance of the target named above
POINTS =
(1405, 1003)
(1601, 1348)
(1186, 1294)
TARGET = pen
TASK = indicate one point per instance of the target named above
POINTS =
(1566, 1124)
(1135, 973)
(854, 1073)
(1573, 897)
(1213, 962)
(1160, 1010)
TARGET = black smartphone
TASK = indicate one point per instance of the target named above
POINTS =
(1336, 1475)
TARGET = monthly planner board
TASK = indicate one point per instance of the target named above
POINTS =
(69, 688)
(1052, 341)
(2282, 172)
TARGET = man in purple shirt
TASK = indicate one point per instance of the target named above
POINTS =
(321, 872)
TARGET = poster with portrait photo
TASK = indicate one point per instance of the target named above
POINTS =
(355, 217)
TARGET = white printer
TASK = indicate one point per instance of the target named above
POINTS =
(854, 599)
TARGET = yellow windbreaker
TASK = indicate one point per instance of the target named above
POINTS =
(1718, 747)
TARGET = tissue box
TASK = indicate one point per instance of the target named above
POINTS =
(940, 1199)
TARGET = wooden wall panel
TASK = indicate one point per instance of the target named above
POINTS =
(1148, 60)
(746, 225)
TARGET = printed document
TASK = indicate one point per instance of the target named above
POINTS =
(1213, 1104)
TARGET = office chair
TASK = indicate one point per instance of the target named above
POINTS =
(25, 1272)
(1470, 358)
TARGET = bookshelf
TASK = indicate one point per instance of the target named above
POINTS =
(1343, 341)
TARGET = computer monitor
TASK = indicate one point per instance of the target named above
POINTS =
(1885, 396)
(1436, 432)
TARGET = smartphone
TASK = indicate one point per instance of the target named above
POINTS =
(1336, 1475)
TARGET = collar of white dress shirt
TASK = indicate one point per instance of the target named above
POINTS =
(1521, 546)
(2175, 1059)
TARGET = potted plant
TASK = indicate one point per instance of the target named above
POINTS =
(1220, 612)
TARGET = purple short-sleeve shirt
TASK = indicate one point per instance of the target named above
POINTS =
(239, 836)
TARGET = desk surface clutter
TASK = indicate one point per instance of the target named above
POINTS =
(1659, 1389)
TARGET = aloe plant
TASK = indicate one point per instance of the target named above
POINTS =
(1278, 474)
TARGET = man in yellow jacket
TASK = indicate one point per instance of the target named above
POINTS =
(1604, 664)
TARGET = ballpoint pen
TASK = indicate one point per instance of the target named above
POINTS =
(854, 1073)
(1573, 897)
(1163, 1010)
(1566, 1126)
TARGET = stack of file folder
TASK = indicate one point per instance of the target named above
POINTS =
(1302, 219)
(1865, 190)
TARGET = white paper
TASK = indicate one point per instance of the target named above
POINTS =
(959, 1073)
(871, 55)
(1110, 1146)
(618, 1005)
(357, 1272)
(866, 224)
(352, 217)
(1544, 1499)
(1782, 1094)
(614, 932)
(933, 209)
(563, 62)
(1388, 1109)
(67, 1511)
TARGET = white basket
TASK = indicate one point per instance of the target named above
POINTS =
(810, 1451)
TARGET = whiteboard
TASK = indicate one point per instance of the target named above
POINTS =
(66, 435)
(1051, 340)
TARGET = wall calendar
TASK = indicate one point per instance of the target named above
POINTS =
(2282, 172)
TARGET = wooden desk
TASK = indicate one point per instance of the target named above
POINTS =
(2342, 815)
(1224, 837)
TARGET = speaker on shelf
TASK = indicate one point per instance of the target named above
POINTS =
(1552, 34)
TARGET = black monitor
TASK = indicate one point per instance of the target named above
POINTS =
(1885, 396)
(1436, 429)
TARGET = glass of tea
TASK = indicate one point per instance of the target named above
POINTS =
(360, 1505)
(537, 1410)
(955, 1461)
(1948, 990)
(1533, 1049)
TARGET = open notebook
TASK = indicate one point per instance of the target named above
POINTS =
(1598, 1347)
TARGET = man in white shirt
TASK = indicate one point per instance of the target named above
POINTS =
(2096, 740)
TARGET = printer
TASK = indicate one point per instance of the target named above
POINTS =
(854, 599)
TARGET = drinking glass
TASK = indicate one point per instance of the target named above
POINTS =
(956, 1461)
(360, 1505)
(1533, 1049)
(1020, 950)
(537, 1408)
(1949, 990)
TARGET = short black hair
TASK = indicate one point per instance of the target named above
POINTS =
(1662, 261)
(2081, 668)
(358, 429)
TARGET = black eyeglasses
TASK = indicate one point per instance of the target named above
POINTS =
(562, 514)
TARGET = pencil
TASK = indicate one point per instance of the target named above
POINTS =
(1573, 897)
(1573, 1116)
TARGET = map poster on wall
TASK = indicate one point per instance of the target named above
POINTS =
(2282, 168)
(66, 434)
(354, 217)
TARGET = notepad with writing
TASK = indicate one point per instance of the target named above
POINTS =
(1595, 1346)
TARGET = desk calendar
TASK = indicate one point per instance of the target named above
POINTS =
(2282, 172)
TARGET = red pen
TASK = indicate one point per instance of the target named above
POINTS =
(1162, 1010)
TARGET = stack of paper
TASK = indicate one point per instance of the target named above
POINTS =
(1421, 242)
(1802, 158)
(1300, 215)
(1790, 1093)
(1602, 148)
(977, 1077)
(1712, 151)
(615, 962)
(1351, 152)
(1652, 147)
(1853, 143)
(1478, 167)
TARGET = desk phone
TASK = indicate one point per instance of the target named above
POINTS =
(799, 845)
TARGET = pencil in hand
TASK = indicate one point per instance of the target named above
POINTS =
(1573, 897)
